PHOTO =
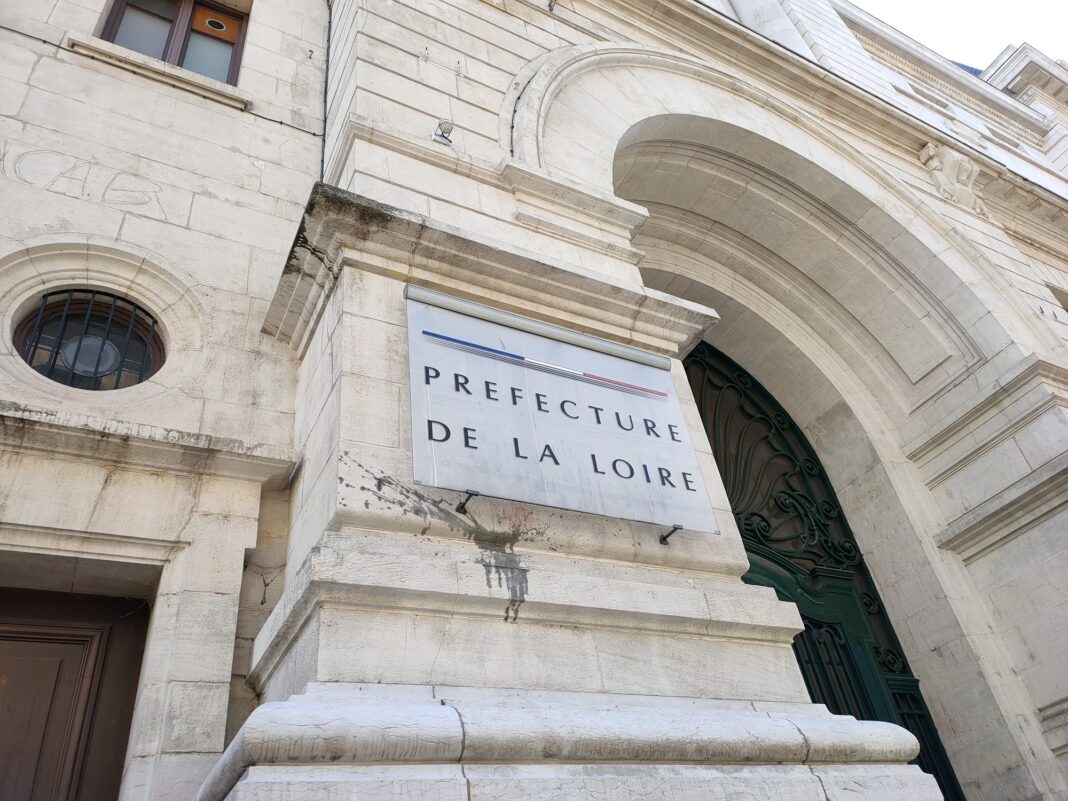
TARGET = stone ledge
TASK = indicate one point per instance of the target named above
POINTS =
(977, 89)
(1034, 373)
(157, 70)
(475, 728)
(145, 446)
(583, 782)
(550, 204)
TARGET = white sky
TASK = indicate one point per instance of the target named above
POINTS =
(973, 32)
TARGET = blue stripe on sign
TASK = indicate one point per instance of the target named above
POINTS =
(474, 345)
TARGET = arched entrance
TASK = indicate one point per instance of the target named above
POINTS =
(800, 544)
(843, 290)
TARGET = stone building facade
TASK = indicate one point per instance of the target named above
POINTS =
(220, 557)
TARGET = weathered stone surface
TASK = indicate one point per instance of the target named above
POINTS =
(881, 234)
(583, 734)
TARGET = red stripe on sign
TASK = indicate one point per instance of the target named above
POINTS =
(624, 384)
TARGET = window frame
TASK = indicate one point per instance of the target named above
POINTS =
(181, 29)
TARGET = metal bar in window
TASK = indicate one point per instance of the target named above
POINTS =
(81, 339)
(148, 349)
(104, 342)
(125, 346)
(59, 336)
(32, 341)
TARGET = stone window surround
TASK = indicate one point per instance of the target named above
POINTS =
(64, 262)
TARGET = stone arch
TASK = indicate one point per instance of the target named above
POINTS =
(857, 305)
(570, 110)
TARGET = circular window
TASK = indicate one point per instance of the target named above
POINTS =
(90, 340)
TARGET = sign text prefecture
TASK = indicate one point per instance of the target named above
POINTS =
(517, 415)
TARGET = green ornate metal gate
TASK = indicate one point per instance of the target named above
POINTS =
(800, 544)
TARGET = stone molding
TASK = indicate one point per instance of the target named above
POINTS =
(549, 204)
(340, 228)
(965, 88)
(350, 569)
(1012, 512)
(1041, 222)
(358, 128)
(89, 545)
(958, 425)
(345, 728)
(1018, 68)
(540, 198)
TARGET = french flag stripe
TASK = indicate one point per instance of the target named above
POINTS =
(476, 346)
(545, 367)
(624, 384)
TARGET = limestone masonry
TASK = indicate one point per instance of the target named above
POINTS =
(557, 400)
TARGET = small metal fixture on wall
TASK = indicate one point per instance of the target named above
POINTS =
(441, 133)
(461, 507)
(552, 4)
(665, 537)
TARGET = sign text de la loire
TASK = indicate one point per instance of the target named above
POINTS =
(518, 415)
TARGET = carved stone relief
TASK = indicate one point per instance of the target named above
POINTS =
(953, 175)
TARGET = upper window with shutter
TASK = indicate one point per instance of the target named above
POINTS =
(201, 37)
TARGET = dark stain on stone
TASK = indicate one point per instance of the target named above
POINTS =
(497, 542)
(505, 567)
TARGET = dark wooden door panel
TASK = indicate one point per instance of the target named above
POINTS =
(46, 679)
(26, 689)
(68, 677)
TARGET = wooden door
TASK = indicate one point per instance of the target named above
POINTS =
(68, 677)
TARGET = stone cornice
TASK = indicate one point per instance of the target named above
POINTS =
(546, 204)
(140, 446)
(1040, 224)
(358, 128)
(978, 92)
(1055, 725)
(1016, 69)
(935, 91)
(340, 228)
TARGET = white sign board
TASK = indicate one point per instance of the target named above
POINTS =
(518, 415)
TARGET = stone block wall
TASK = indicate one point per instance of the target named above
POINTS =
(187, 195)
(184, 195)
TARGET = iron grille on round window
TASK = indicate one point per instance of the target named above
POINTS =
(90, 340)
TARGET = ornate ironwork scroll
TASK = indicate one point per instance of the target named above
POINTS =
(800, 544)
